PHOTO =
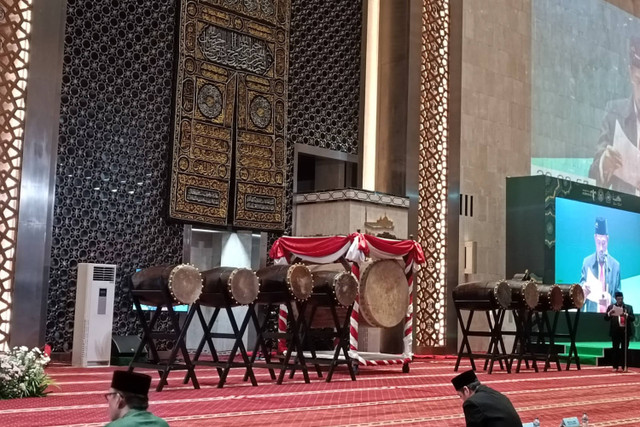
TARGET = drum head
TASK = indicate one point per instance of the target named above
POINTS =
(185, 284)
(244, 286)
(384, 294)
(502, 293)
(345, 285)
(530, 294)
(300, 281)
(556, 298)
(577, 296)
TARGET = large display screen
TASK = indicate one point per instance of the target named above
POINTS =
(598, 247)
(585, 92)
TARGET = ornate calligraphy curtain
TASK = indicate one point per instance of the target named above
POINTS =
(229, 140)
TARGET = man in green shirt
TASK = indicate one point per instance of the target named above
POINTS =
(128, 400)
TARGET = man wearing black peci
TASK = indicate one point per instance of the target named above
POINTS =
(128, 400)
(600, 276)
(619, 315)
(484, 406)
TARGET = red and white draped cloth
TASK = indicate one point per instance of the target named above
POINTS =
(354, 248)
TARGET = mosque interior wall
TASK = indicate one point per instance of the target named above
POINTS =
(495, 128)
(115, 135)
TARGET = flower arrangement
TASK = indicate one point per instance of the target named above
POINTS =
(22, 373)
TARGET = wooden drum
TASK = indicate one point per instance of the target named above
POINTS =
(332, 279)
(167, 284)
(294, 279)
(573, 296)
(341, 286)
(550, 298)
(482, 295)
(240, 284)
(384, 294)
(524, 294)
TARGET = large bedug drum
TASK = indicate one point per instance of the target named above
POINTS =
(524, 294)
(241, 285)
(384, 294)
(550, 298)
(293, 279)
(167, 284)
(482, 295)
(573, 296)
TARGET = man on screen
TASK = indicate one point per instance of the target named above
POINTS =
(623, 114)
(600, 273)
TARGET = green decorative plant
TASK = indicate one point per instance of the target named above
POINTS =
(22, 373)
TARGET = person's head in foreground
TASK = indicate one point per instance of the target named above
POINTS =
(129, 390)
(465, 384)
(482, 405)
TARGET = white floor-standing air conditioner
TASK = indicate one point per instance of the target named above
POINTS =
(94, 314)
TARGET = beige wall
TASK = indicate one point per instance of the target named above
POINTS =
(495, 125)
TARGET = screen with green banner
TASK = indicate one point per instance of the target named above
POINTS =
(598, 247)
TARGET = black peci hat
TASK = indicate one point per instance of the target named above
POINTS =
(131, 382)
(464, 379)
(618, 294)
(601, 226)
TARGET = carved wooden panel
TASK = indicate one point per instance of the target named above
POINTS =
(15, 27)
(432, 173)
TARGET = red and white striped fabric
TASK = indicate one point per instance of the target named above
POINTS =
(319, 250)
(355, 248)
(412, 254)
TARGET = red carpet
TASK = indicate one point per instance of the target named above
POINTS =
(380, 396)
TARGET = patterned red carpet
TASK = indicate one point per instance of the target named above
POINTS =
(380, 396)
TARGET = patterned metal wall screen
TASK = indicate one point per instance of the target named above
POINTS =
(15, 27)
(432, 173)
(115, 138)
(324, 82)
(229, 142)
(324, 75)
